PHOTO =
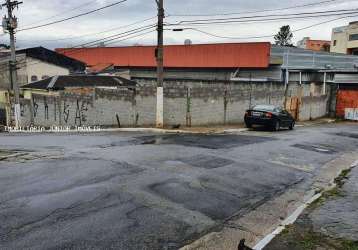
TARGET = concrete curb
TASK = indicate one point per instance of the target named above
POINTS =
(143, 130)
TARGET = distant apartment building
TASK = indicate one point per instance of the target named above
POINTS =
(345, 39)
(315, 45)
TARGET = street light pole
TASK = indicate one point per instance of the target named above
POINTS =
(160, 66)
(10, 24)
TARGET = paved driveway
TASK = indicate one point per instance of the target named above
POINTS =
(148, 191)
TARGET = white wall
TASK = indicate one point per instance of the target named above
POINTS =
(39, 68)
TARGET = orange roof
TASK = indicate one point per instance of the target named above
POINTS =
(225, 55)
(99, 67)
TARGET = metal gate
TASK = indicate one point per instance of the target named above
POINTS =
(2, 117)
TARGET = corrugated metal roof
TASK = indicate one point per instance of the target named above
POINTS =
(346, 78)
(296, 58)
(225, 55)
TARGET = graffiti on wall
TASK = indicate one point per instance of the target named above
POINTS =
(351, 114)
(81, 109)
(67, 109)
(35, 107)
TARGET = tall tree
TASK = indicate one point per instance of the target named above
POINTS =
(284, 36)
(2, 45)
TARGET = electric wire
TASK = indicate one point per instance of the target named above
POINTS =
(73, 17)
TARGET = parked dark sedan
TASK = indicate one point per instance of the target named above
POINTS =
(271, 116)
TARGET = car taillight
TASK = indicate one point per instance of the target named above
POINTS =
(268, 115)
(247, 113)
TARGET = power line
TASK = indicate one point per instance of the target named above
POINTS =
(73, 50)
(263, 18)
(63, 12)
(250, 12)
(94, 33)
(113, 37)
(265, 36)
(135, 36)
(73, 17)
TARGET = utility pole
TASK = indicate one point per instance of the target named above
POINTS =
(9, 24)
(160, 65)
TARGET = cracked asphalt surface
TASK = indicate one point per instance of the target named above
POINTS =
(150, 191)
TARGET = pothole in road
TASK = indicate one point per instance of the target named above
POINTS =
(206, 161)
(203, 140)
(346, 134)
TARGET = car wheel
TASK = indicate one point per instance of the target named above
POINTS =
(248, 125)
(276, 126)
(292, 126)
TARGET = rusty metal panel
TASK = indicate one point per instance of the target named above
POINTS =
(346, 99)
(292, 106)
(227, 55)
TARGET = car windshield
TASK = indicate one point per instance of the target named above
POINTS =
(264, 107)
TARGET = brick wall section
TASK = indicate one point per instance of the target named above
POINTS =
(187, 102)
(346, 99)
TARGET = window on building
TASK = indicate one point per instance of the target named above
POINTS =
(33, 78)
(335, 43)
(353, 37)
(45, 77)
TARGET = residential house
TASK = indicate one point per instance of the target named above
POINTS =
(37, 63)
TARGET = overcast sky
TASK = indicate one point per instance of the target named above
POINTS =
(35, 12)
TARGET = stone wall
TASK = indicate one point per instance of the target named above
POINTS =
(186, 103)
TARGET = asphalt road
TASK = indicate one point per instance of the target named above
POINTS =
(147, 191)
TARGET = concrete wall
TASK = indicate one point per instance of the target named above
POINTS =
(313, 107)
(187, 103)
(42, 69)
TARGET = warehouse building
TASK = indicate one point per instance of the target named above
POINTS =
(305, 73)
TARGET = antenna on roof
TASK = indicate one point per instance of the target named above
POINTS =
(188, 42)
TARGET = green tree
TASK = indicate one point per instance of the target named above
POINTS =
(2, 45)
(284, 36)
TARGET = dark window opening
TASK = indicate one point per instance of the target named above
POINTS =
(353, 37)
(33, 78)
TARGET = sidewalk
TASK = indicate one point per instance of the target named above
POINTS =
(329, 223)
